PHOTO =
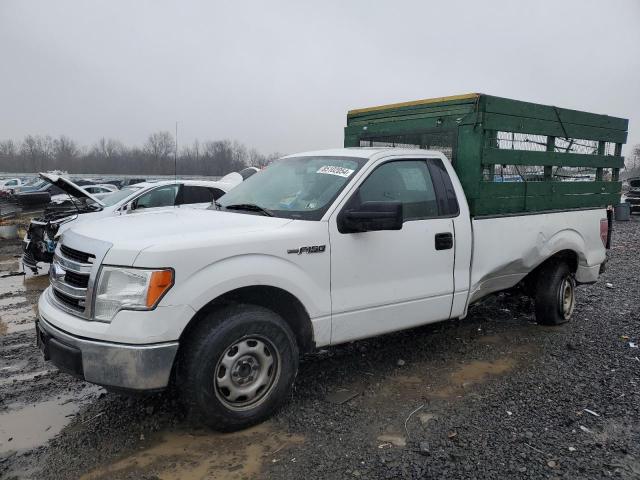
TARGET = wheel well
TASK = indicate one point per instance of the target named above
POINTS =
(568, 256)
(275, 299)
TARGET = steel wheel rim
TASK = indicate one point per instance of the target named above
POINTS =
(567, 297)
(246, 373)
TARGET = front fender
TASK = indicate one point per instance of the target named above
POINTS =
(309, 285)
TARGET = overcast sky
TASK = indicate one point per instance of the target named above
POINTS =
(281, 76)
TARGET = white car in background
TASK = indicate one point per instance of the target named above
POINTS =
(7, 185)
(81, 205)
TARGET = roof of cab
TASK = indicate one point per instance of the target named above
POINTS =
(366, 152)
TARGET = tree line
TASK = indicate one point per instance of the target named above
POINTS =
(37, 153)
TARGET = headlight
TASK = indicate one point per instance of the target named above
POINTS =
(129, 289)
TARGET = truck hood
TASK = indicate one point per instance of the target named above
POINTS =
(69, 187)
(131, 233)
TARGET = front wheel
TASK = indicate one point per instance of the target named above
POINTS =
(238, 367)
(555, 297)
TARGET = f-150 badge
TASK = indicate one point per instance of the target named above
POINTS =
(311, 249)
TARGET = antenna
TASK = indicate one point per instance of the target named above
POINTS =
(175, 158)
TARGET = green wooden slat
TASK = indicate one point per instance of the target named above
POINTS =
(499, 205)
(552, 159)
(402, 116)
(509, 123)
(400, 128)
(547, 112)
(516, 189)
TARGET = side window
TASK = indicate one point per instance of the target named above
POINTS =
(217, 193)
(158, 197)
(447, 200)
(406, 181)
(193, 194)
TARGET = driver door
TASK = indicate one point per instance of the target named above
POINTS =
(163, 196)
(383, 281)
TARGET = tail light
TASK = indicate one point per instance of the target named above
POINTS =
(604, 231)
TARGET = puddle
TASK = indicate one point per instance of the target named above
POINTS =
(18, 299)
(395, 440)
(491, 339)
(473, 373)
(186, 456)
(17, 319)
(35, 283)
(23, 427)
(425, 418)
(12, 300)
(33, 425)
(9, 262)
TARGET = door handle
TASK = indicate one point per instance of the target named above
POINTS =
(444, 241)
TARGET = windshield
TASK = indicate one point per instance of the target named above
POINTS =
(115, 197)
(298, 187)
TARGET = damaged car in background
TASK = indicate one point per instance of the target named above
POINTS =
(80, 205)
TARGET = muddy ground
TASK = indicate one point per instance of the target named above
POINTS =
(491, 396)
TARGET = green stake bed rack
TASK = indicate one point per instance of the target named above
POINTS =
(511, 156)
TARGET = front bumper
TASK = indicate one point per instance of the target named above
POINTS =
(115, 365)
(633, 201)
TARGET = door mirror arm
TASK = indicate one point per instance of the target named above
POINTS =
(128, 207)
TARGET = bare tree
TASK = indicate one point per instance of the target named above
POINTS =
(160, 145)
(8, 148)
(632, 162)
(37, 152)
(191, 154)
(65, 150)
(256, 159)
(108, 148)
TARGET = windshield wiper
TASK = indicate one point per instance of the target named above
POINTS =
(251, 207)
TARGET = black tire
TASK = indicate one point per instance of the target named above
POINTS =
(555, 293)
(208, 360)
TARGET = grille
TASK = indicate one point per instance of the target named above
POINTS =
(76, 255)
(68, 301)
(70, 278)
(76, 279)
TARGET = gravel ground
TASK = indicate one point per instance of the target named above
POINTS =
(490, 396)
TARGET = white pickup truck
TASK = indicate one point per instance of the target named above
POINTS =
(318, 249)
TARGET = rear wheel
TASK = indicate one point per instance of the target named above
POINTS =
(555, 296)
(238, 367)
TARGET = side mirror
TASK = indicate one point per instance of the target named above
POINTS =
(371, 217)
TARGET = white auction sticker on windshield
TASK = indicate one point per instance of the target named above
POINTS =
(331, 170)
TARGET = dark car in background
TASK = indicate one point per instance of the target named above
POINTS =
(633, 195)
